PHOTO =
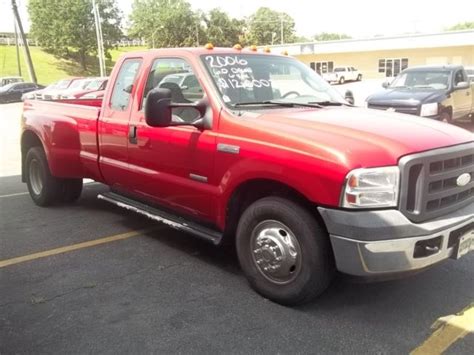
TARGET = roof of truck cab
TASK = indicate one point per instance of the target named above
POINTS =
(199, 51)
(435, 67)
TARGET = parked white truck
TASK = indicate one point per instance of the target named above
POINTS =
(342, 74)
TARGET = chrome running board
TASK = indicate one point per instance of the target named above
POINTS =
(158, 215)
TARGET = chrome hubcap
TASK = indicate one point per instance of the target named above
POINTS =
(276, 252)
(36, 179)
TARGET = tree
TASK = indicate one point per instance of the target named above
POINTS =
(301, 39)
(223, 31)
(165, 23)
(265, 27)
(461, 26)
(329, 36)
(66, 27)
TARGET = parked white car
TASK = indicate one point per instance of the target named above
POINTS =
(342, 74)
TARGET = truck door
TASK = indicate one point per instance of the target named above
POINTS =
(462, 99)
(173, 165)
(113, 127)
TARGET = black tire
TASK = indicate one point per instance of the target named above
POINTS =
(49, 189)
(342, 80)
(446, 116)
(359, 77)
(71, 190)
(315, 267)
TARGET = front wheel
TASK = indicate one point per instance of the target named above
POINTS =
(342, 80)
(446, 117)
(283, 251)
(359, 77)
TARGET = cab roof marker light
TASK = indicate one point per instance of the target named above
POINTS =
(237, 46)
(267, 50)
(253, 48)
(209, 46)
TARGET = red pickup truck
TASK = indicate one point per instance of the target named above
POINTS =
(256, 148)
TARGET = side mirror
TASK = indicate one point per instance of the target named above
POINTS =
(349, 96)
(385, 84)
(462, 85)
(158, 109)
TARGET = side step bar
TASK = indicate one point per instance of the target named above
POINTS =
(162, 216)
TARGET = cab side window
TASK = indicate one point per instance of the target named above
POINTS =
(459, 77)
(123, 84)
(176, 75)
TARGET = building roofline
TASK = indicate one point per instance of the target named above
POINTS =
(389, 43)
(375, 38)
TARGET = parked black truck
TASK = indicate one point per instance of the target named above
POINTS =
(441, 92)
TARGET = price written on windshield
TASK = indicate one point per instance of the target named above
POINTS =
(233, 72)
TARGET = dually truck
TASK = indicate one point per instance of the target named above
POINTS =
(270, 158)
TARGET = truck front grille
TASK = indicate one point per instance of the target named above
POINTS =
(430, 182)
(411, 110)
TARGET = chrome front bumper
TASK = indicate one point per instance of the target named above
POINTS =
(383, 242)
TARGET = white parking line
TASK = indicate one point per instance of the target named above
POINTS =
(17, 194)
(86, 182)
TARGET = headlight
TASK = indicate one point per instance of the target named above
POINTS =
(374, 187)
(429, 109)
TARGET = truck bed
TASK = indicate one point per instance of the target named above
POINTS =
(69, 135)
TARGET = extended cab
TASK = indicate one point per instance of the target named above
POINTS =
(443, 93)
(269, 157)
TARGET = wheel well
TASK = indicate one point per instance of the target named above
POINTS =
(28, 140)
(253, 190)
(449, 110)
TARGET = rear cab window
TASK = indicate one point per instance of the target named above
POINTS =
(123, 85)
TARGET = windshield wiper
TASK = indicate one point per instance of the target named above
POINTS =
(326, 103)
(278, 103)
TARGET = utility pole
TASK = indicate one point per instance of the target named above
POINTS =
(100, 43)
(17, 50)
(197, 34)
(281, 28)
(31, 69)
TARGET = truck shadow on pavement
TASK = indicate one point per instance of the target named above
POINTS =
(412, 293)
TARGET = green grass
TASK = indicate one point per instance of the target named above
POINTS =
(49, 68)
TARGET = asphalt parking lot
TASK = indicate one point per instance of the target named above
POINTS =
(92, 278)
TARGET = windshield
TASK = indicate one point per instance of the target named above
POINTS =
(253, 78)
(63, 84)
(94, 84)
(173, 79)
(338, 69)
(7, 87)
(79, 84)
(412, 79)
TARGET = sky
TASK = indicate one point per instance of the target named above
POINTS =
(357, 18)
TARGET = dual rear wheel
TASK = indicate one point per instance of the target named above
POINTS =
(44, 188)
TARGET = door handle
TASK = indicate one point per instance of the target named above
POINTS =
(132, 134)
